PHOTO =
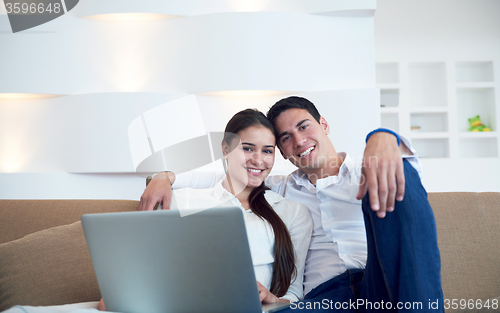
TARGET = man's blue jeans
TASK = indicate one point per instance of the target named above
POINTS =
(403, 270)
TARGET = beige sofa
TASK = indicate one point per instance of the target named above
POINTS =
(44, 258)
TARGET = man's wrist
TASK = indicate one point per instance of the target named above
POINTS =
(165, 175)
(171, 177)
(385, 130)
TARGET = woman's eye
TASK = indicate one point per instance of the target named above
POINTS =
(247, 149)
(268, 151)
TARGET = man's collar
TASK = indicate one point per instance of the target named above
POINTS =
(348, 166)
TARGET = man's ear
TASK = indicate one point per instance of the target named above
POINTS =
(325, 125)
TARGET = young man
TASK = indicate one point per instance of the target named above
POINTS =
(360, 257)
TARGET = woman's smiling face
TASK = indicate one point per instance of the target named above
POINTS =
(251, 161)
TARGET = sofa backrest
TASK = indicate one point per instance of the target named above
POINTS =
(468, 226)
(19, 218)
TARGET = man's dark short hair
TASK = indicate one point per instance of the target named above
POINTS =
(292, 102)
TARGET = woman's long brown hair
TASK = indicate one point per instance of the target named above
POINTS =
(284, 269)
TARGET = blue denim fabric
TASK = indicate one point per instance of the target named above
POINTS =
(339, 292)
(403, 267)
(403, 257)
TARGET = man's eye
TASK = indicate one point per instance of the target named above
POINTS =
(285, 138)
(303, 127)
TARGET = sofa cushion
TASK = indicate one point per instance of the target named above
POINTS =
(23, 217)
(49, 267)
(468, 236)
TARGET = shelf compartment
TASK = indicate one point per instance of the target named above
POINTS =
(390, 120)
(474, 72)
(478, 135)
(429, 110)
(424, 135)
(432, 148)
(427, 82)
(389, 98)
(387, 73)
(478, 147)
(388, 86)
(476, 85)
(389, 110)
(476, 101)
(429, 122)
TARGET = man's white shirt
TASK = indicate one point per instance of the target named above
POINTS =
(338, 240)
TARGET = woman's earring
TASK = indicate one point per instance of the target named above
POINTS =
(224, 164)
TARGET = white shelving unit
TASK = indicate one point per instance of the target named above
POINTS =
(431, 102)
(427, 84)
(388, 81)
(432, 147)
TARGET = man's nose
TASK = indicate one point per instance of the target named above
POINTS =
(299, 140)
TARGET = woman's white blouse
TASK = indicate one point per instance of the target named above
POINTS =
(260, 235)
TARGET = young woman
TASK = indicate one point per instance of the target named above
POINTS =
(278, 230)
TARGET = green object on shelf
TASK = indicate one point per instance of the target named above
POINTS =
(477, 126)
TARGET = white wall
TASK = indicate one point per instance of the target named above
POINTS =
(437, 30)
(444, 30)
(76, 146)
(109, 73)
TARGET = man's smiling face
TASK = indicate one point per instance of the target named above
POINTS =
(303, 140)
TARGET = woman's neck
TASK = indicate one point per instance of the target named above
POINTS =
(240, 191)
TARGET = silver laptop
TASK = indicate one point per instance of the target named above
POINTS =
(158, 261)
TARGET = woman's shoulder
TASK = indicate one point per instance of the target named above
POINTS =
(188, 191)
(273, 197)
(184, 197)
(285, 208)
